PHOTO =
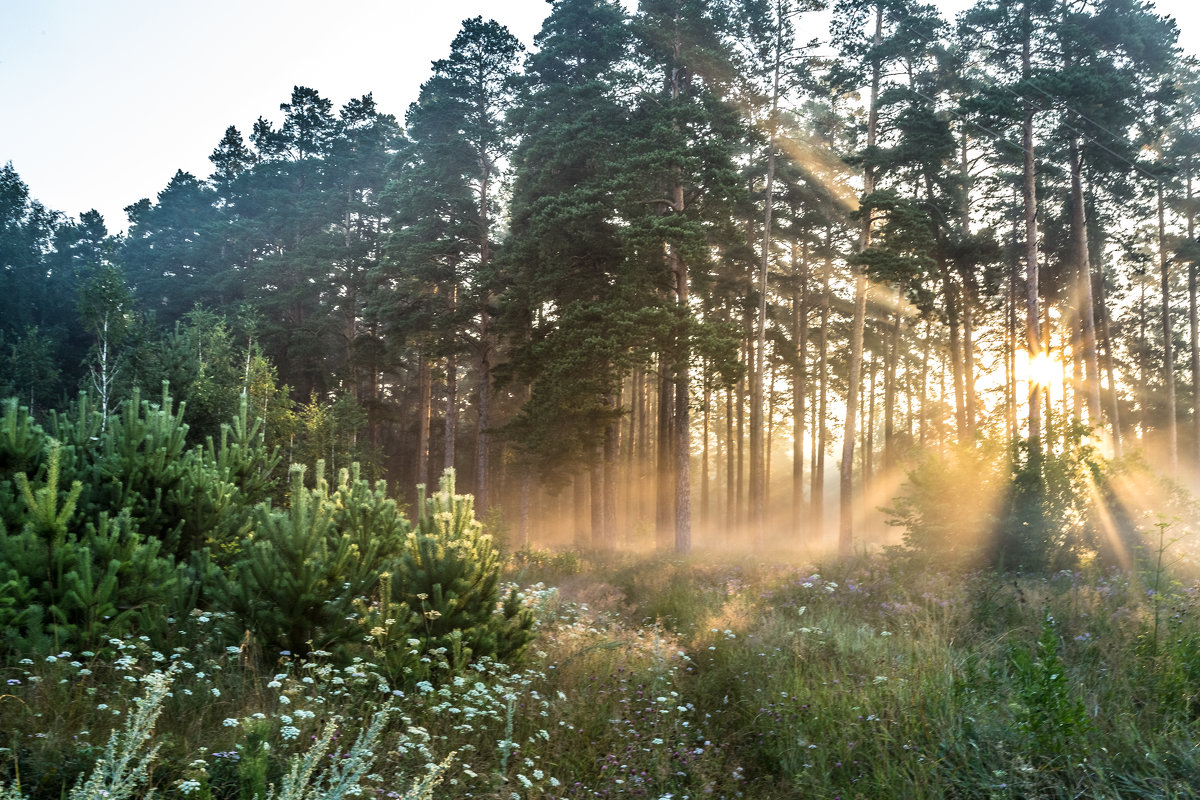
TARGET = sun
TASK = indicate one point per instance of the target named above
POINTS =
(1041, 370)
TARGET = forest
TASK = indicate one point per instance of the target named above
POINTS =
(675, 300)
(671, 270)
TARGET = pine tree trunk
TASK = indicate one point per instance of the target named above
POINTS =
(450, 428)
(580, 505)
(608, 540)
(758, 480)
(950, 291)
(1194, 332)
(1114, 398)
(1168, 352)
(482, 436)
(868, 453)
(665, 507)
(731, 466)
(705, 508)
(596, 497)
(968, 345)
(424, 409)
(820, 428)
(1029, 201)
(1193, 320)
(924, 384)
(740, 513)
(1087, 305)
(799, 394)
(682, 424)
(858, 323)
(891, 374)
(523, 527)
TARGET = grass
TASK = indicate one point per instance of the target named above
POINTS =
(663, 678)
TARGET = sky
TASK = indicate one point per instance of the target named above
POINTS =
(101, 102)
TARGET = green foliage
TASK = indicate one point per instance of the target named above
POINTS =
(22, 441)
(454, 562)
(1047, 514)
(1047, 709)
(328, 431)
(443, 594)
(103, 529)
(78, 588)
(294, 582)
(338, 560)
(936, 523)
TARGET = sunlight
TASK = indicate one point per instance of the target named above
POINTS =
(823, 169)
(1043, 370)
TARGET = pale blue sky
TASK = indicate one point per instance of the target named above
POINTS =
(100, 102)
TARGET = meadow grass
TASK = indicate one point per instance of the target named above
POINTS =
(663, 678)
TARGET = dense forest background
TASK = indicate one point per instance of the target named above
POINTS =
(670, 271)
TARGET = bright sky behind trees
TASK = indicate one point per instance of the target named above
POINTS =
(103, 102)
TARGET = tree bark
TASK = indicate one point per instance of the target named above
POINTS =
(846, 497)
(1087, 305)
(1168, 351)
(1029, 201)
(799, 393)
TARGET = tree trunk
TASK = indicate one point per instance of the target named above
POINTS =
(665, 507)
(1029, 200)
(705, 466)
(890, 377)
(820, 429)
(956, 358)
(1168, 352)
(1087, 305)
(758, 490)
(424, 408)
(1114, 399)
(608, 541)
(581, 505)
(799, 393)
(450, 426)
(846, 497)
(731, 466)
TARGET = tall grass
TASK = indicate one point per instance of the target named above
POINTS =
(664, 678)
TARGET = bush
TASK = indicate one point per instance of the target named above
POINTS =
(981, 506)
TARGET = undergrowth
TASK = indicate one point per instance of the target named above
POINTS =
(664, 678)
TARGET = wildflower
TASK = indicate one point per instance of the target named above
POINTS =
(188, 786)
(289, 732)
(231, 722)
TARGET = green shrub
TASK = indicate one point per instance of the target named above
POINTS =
(1020, 513)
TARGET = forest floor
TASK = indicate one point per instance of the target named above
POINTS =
(667, 678)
